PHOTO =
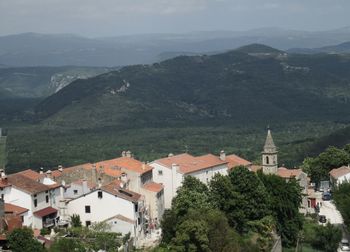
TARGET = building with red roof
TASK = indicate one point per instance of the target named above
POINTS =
(170, 171)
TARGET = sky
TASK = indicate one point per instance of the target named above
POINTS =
(100, 18)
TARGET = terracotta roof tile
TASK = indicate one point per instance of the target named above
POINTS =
(26, 184)
(188, 163)
(255, 168)
(4, 183)
(31, 174)
(234, 161)
(338, 172)
(13, 222)
(288, 173)
(45, 211)
(154, 187)
(81, 181)
(111, 166)
(115, 188)
(17, 210)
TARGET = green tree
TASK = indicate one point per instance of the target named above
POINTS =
(192, 235)
(225, 198)
(22, 240)
(168, 224)
(319, 167)
(285, 199)
(67, 245)
(75, 221)
(341, 196)
(327, 238)
(192, 194)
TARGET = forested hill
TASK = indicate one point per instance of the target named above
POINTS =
(254, 83)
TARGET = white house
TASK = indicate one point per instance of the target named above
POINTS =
(339, 175)
(106, 203)
(41, 200)
(170, 171)
(137, 177)
(78, 188)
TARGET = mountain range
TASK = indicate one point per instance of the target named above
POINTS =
(252, 83)
(201, 103)
(33, 49)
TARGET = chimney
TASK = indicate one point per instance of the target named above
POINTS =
(41, 170)
(143, 166)
(128, 154)
(60, 168)
(85, 186)
(175, 167)
(222, 155)
(124, 154)
(170, 155)
(48, 173)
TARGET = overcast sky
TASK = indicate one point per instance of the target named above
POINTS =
(117, 17)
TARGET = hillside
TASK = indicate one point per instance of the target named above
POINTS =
(198, 104)
(250, 84)
(343, 48)
(33, 82)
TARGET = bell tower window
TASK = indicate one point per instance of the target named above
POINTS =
(267, 160)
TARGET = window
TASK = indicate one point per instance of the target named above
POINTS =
(75, 192)
(267, 160)
(160, 172)
(2, 196)
(47, 198)
(87, 223)
(99, 194)
(136, 207)
(46, 191)
(35, 202)
(35, 195)
(87, 209)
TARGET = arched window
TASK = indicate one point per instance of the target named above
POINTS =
(267, 160)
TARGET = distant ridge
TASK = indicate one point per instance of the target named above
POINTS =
(238, 86)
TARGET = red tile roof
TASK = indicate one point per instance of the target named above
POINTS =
(188, 163)
(154, 187)
(234, 161)
(81, 181)
(26, 184)
(255, 168)
(115, 188)
(17, 210)
(46, 211)
(111, 167)
(13, 222)
(338, 172)
(288, 173)
(31, 174)
(4, 183)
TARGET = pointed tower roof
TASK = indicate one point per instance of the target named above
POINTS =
(269, 146)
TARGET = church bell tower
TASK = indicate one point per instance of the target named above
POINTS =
(269, 155)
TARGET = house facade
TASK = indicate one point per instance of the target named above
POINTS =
(170, 171)
(41, 200)
(106, 203)
(339, 175)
